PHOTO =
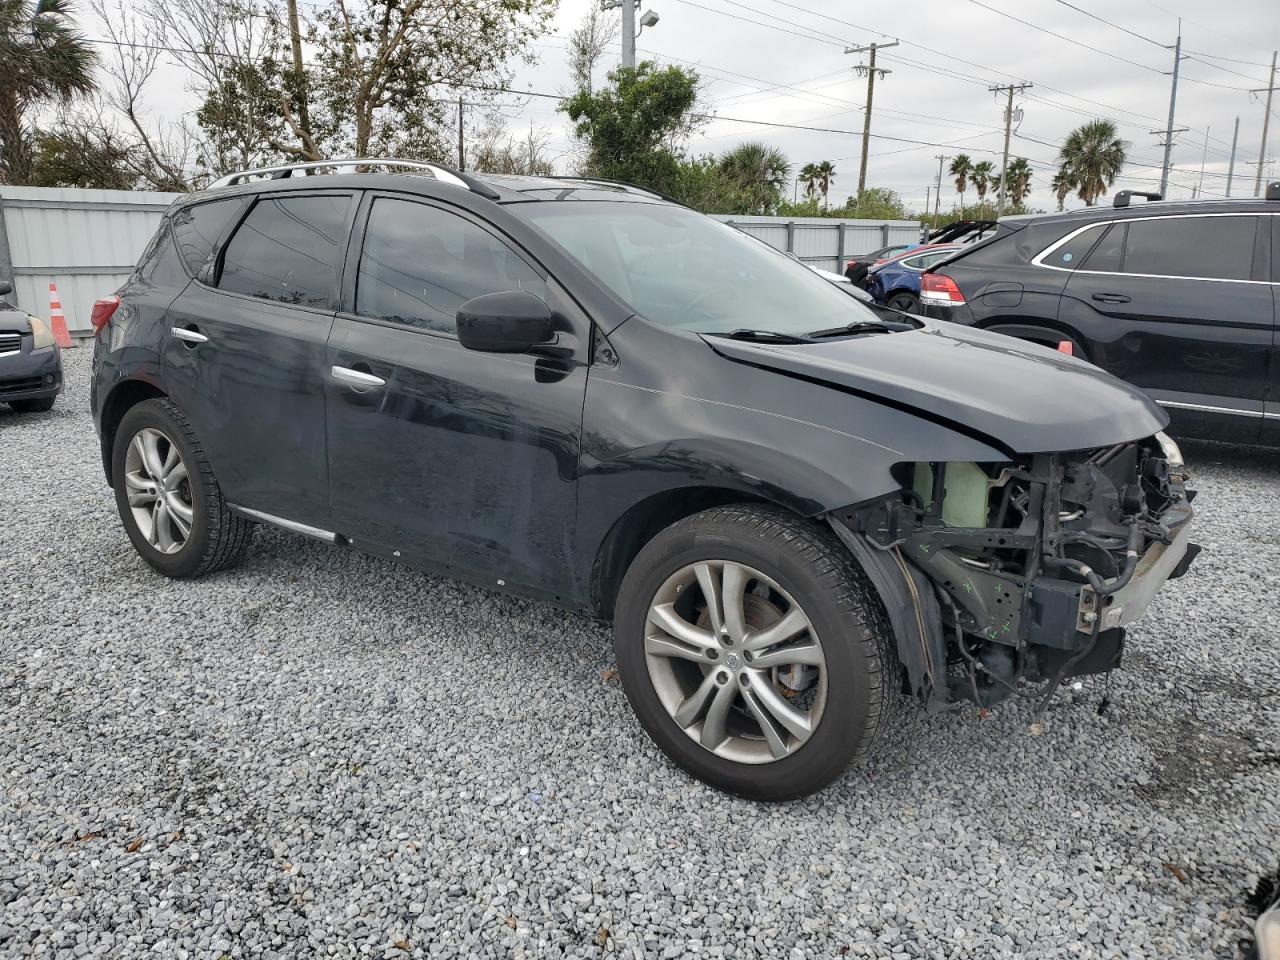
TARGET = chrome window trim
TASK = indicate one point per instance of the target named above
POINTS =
(286, 524)
(1206, 408)
(1038, 259)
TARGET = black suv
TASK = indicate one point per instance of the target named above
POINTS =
(1180, 299)
(580, 392)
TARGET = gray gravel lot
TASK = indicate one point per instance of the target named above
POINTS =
(319, 754)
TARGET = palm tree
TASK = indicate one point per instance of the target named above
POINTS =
(826, 173)
(962, 169)
(42, 58)
(760, 172)
(1093, 155)
(809, 178)
(1017, 180)
(1063, 184)
(982, 175)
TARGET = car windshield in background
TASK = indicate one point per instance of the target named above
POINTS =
(681, 269)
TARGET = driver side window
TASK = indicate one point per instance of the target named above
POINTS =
(420, 263)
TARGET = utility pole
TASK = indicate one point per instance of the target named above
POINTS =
(629, 33)
(1010, 89)
(937, 196)
(1173, 99)
(462, 153)
(1266, 122)
(1231, 169)
(870, 69)
(1203, 155)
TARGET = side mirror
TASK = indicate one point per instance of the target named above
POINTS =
(859, 294)
(514, 321)
(5, 287)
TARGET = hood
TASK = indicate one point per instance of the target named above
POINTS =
(1026, 398)
(11, 318)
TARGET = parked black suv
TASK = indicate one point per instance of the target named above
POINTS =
(577, 391)
(1180, 299)
(30, 365)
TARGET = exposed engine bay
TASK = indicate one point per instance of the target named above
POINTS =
(996, 573)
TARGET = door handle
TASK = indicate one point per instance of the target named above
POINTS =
(356, 378)
(188, 334)
(1111, 298)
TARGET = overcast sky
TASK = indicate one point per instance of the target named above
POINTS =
(783, 61)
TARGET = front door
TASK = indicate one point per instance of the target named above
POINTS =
(245, 358)
(1181, 306)
(464, 460)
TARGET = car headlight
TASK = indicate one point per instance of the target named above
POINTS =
(1170, 449)
(43, 336)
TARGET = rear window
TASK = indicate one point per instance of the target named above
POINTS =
(197, 228)
(287, 249)
(1217, 248)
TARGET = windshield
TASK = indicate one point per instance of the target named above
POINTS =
(681, 269)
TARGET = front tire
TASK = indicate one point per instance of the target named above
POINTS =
(32, 406)
(752, 649)
(167, 497)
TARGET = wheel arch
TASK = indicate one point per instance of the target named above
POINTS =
(1046, 333)
(123, 396)
(643, 521)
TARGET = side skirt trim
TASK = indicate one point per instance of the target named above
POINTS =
(326, 535)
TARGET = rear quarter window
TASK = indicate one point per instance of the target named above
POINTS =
(196, 229)
(1069, 255)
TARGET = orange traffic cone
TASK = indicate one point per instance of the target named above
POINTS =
(57, 319)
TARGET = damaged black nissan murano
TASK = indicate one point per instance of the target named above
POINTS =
(792, 508)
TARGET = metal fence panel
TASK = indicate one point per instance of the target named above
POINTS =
(85, 241)
(823, 241)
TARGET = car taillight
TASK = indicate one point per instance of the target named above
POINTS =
(939, 288)
(102, 311)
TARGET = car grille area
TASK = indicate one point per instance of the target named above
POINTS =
(10, 341)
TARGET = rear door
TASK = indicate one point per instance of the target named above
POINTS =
(245, 358)
(1181, 306)
(1271, 422)
(459, 459)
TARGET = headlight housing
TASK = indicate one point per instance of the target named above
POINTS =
(41, 334)
(1171, 451)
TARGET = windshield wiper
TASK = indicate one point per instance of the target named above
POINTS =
(862, 326)
(763, 336)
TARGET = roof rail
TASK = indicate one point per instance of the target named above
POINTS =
(649, 191)
(442, 173)
(1124, 196)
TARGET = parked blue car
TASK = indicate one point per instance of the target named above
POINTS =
(896, 283)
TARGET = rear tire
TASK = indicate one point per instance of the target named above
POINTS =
(794, 571)
(906, 302)
(168, 500)
(32, 406)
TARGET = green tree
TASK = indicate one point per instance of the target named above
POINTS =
(43, 58)
(1063, 184)
(633, 125)
(761, 173)
(983, 175)
(1093, 156)
(809, 179)
(826, 173)
(72, 156)
(876, 203)
(1017, 180)
(961, 168)
(701, 184)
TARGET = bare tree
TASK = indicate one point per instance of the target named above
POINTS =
(496, 151)
(589, 43)
(137, 44)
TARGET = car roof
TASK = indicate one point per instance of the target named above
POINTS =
(1150, 208)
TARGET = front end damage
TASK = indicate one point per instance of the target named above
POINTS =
(1027, 570)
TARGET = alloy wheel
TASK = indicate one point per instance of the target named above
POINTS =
(735, 661)
(159, 490)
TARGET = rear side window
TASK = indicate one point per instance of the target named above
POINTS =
(197, 228)
(420, 263)
(1106, 255)
(1070, 255)
(287, 249)
(1218, 248)
(159, 266)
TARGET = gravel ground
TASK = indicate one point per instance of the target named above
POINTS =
(319, 754)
